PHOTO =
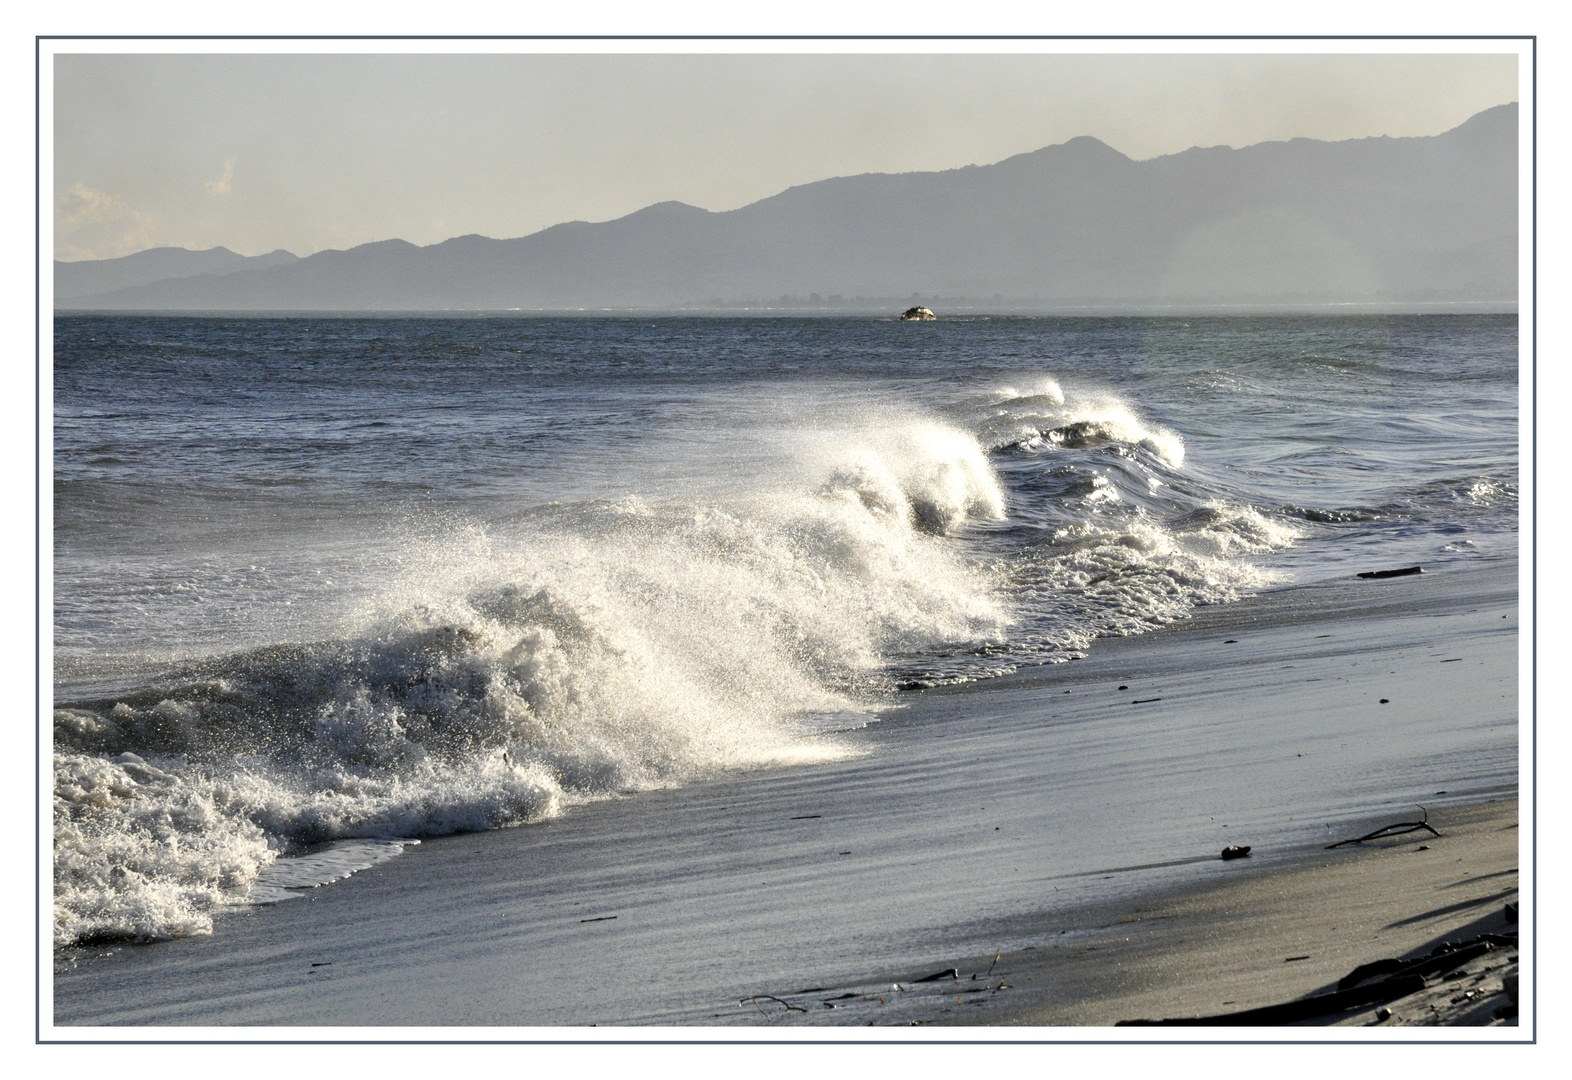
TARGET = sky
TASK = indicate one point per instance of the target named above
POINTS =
(307, 152)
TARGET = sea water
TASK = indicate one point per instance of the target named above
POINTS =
(325, 586)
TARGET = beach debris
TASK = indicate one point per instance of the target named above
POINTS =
(947, 973)
(1236, 851)
(1380, 982)
(1291, 959)
(1386, 701)
(1145, 700)
(1303, 1009)
(1510, 913)
(1395, 829)
(1404, 572)
(1374, 969)
(754, 999)
(1122, 686)
(599, 918)
(1231, 641)
(805, 817)
(1000, 952)
(1444, 957)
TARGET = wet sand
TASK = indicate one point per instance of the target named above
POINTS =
(1039, 810)
(1271, 937)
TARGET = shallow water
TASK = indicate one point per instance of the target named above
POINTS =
(319, 579)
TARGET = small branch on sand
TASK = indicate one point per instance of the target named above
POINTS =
(1397, 829)
(754, 998)
(947, 973)
(996, 954)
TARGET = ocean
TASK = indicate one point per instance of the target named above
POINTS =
(325, 587)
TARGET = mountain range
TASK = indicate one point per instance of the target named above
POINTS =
(1077, 225)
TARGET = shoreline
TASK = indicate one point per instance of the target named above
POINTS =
(967, 824)
(1270, 937)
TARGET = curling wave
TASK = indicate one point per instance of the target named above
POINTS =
(504, 674)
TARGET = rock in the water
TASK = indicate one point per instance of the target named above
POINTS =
(918, 314)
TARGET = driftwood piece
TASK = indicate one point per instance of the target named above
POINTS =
(1404, 572)
(1304, 1009)
(1369, 984)
(754, 999)
(947, 973)
(1444, 957)
(1395, 829)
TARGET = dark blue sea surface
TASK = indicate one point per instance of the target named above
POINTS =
(329, 578)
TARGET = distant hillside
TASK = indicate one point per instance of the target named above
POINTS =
(76, 279)
(1418, 220)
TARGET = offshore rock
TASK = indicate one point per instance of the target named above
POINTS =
(918, 314)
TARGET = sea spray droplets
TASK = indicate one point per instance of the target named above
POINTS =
(1048, 420)
(508, 672)
(936, 476)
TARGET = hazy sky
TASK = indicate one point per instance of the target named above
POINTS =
(258, 152)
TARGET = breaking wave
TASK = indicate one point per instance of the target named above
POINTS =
(500, 673)
(503, 674)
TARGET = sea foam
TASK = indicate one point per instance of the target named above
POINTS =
(504, 672)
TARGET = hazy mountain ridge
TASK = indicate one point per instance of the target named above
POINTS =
(90, 277)
(1075, 224)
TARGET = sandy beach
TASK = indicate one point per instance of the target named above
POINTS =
(1007, 819)
(1272, 937)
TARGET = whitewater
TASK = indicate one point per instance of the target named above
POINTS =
(326, 587)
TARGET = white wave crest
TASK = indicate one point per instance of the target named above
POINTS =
(935, 475)
(502, 675)
(1048, 417)
(1105, 578)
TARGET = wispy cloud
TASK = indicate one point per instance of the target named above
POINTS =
(224, 184)
(93, 224)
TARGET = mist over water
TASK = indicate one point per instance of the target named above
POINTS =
(321, 580)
